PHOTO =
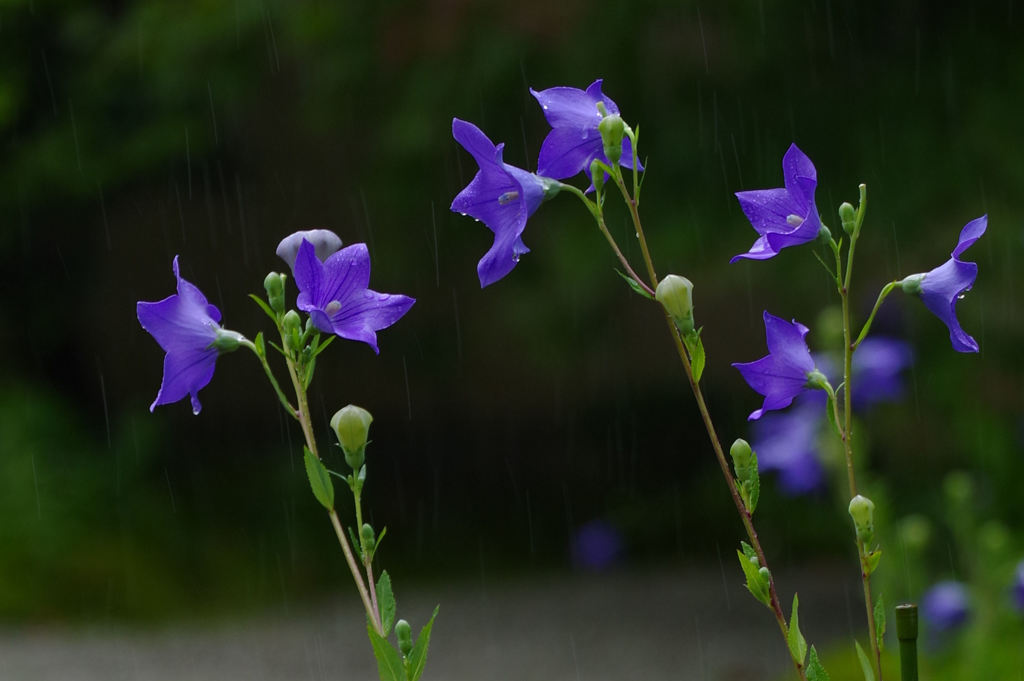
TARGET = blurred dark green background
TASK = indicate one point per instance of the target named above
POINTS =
(505, 418)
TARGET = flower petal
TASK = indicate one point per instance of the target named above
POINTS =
(309, 272)
(324, 241)
(573, 108)
(801, 178)
(185, 373)
(785, 340)
(346, 274)
(367, 312)
(971, 232)
(768, 209)
(940, 290)
(567, 151)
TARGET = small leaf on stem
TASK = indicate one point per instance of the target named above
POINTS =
(417, 659)
(390, 666)
(816, 672)
(880, 622)
(633, 284)
(386, 597)
(795, 639)
(695, 348)
(865, 663)
(319, 480)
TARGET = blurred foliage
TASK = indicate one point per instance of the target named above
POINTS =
(136, 130)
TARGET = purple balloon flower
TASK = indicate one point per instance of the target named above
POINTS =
(574, 140)
(335, 294)
(785, 371)
(1018, 586)
(943, 286)
(502, 197)
(786, 216)
(877, 367)
(946, 606)
(186, 327)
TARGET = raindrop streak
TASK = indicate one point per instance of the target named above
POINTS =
(458, 330)
(271, 41)
(369, 226)
(725, 580)
(181, 211)
(241, 218)
(49, 83)
(103, 396)
(703, 42)
(575, 662)
(170, 492)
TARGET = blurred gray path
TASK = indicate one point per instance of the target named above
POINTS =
(623, 626)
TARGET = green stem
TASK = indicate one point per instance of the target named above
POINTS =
(886, 290)
(273, 380)
(716, 445)
(302, 414)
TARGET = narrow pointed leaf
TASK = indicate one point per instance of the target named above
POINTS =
(389, 662)
(816, 672)
(418, 656)
(795, 639)
(263, 306)
(319, 480)
(880, 622)
(695, 348)
(865, 663)
(873, 558)
(755, 583)
(830, 413)
(637, 288)
(748, 550)
(386, 597)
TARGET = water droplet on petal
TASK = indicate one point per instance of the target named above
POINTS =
(961, 296)
(507, 198)
(794, 220)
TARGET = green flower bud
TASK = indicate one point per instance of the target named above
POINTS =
(817, 380)
(766, 576)
(227, 340)
(352, 425)
(613, 129)
(675, 293)
(292, 325)
(274, 285)
(596, 174)
(741, 454)
(404, 634)
(369, 538)
(848, 216)
(862, 510)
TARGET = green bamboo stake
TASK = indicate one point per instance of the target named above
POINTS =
(906, 632)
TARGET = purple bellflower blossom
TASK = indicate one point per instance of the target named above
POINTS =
(787, 441)
(1018, 586)
(324, 241)
(946, 606)
(336, 296)
(502, 197)
(943, 286)
(786, 216)
(188, 328)
(574, 140)
(787, 369)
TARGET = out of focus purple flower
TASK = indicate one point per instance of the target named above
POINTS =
(335, 293)
(1018, 586)
(596, 545)
(186, 326)
(877, 369)
(786, 216)
(942, 287)
(785, 371)
(946, 606)
(574, 140)
(787, 442)
(502, 197)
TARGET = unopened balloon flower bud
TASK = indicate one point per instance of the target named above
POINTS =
(862, 510)
(274, 285)
(848, 216)
(292, 325)
(403, 632)
(368, 537)
(596, 174)
(352, 426)
(613, 129)
(675, 293)
(226, 340)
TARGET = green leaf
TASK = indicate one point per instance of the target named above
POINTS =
(830, 412)
(386, 598)
(308, 377)
(263, 306)
(418, 656)
(319, 480)
(637, 288)
(795, 639)
(865, 663)
(755, 583)
(872, 560)
(390, 666)
(261, 347)
(355, 541)
(749, 551)
(815, 672)
(695, 348)
(880, 622)
(750, 488)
